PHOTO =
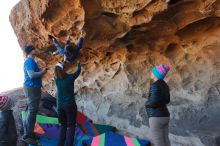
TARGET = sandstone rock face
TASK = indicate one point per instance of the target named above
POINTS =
(124, 39)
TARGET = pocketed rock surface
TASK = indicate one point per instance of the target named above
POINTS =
(124, 39)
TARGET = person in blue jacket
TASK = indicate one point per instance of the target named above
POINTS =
(156, 106)
(67, 108)
(32, 90)
(70, 50)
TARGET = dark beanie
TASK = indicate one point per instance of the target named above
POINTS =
(28, 49)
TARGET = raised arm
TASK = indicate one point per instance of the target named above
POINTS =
(57, 45)
(77, 72)
(79, 44)
(67, 43)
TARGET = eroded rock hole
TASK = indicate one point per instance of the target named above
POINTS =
(63, 33)
(130, 46)
(172, 2)
(171, 47)
(109, 14)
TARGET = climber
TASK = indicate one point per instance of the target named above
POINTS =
(159, 97)
(32, 91)
(8, 133)
(70, 51)
(66, 103)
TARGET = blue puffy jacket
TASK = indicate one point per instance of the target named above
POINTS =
(159, 97)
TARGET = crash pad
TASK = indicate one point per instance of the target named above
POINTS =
(114, 139)
(81, 118)
(51, 135)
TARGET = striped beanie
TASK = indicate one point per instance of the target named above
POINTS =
(6, 103)
(160, 71)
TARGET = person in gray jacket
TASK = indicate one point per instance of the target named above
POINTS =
(159, 97)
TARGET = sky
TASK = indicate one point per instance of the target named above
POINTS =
(11, 56)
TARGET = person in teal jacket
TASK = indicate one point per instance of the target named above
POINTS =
(67, 108)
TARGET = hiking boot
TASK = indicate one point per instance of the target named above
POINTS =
(30, 141)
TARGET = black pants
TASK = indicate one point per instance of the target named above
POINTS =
(67, 119)
(8, 133)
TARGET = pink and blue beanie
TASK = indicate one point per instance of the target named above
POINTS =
(160, 71)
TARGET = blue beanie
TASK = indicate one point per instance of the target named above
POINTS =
(28, 49)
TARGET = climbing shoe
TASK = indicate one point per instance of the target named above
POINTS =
(30, 141)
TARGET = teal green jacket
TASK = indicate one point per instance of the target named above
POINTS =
(65, 87)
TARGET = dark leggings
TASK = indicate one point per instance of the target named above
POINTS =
(67, 119)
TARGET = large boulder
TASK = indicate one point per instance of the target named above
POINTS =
(124, 39)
